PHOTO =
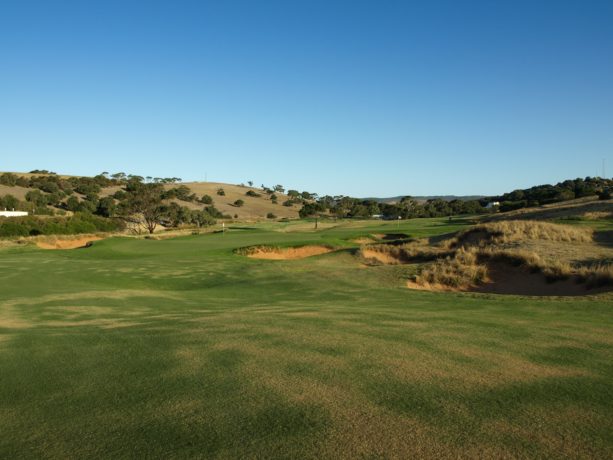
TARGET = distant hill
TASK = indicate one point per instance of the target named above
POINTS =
(256, 207)
(396, 199)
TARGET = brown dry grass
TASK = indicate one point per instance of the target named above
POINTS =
(477, 257)
(255, 208)
(573, 208)
(505, 232)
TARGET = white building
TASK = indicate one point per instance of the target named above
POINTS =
(13, 213)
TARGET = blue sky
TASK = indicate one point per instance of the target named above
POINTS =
(364, 98)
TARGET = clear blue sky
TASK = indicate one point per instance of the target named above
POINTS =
(365, 98)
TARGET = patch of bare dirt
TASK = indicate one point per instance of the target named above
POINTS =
(67, 243)
(288, 253)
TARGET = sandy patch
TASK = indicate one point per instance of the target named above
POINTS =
(271, 253)
(381, 257)
(363, 240)
(67, 243)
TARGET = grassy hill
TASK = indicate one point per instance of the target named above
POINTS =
(587, 208)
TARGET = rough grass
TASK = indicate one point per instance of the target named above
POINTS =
(182, 349)
(464, 264)
(496, 233)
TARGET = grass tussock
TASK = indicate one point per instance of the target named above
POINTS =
(461, 271)
(505, 232)
(412, 252)
(471, 252)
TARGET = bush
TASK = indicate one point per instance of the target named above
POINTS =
(206, 199)
(79, 223)
(270, 215)
(238, 203)
(252, 194)
(221, 192)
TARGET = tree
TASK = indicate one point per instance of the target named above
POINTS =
(239, 203)
(143, 204)
(221, 192)
(250, 183)
(201, 218)
(279, 188)
(106, 207)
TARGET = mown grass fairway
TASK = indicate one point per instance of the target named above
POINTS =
(180, 348)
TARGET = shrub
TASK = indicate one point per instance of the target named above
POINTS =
(238, 203)
(270, 215)
(79, 223)
(252, 194)
(221, 192)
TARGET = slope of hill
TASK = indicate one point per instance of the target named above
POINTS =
(253, 208)
(587, 207)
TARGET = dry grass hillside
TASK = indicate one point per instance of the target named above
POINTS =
(587, 208)
(254, 208)
(16, 191)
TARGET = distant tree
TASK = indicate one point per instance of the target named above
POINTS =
(270, 215)
(250, 183)
(143, 204)
(279, 188)
(9, 202)
(37, 198)
(252, 194)
(201, 219)
(239, 203)
(72, 203)
(221, 192)
(8, 179)
(106, 207)
(206, 199)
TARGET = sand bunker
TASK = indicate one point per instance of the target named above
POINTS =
(504, 278)
(364, 240)
(385, 258)
(272, 253)
(69, 243)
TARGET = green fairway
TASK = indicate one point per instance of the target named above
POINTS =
(181, 348)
